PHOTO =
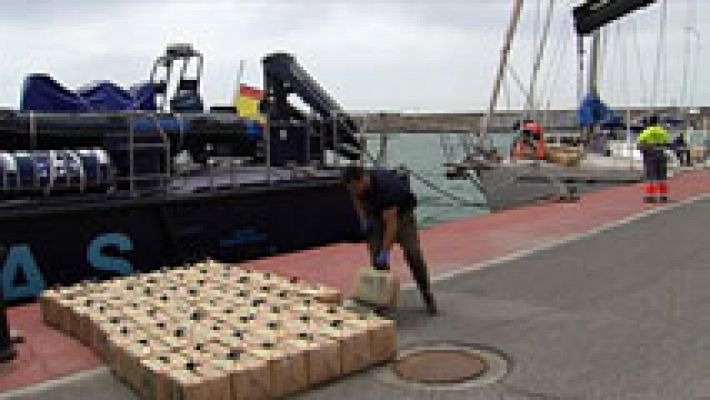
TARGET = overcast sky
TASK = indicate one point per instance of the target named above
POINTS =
(373, 55)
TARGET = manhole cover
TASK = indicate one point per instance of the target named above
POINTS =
(446, 366)
(440, 366)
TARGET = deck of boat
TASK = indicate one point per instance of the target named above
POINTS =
(514, 184)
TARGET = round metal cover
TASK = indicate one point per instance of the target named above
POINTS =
(440, 366)
(445, 366)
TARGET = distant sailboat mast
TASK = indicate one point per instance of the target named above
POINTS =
(589, 17)
(532, 102)
(503, 65)
(593, 80)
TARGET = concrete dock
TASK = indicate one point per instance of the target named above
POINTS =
(606, 298)
(562, 121)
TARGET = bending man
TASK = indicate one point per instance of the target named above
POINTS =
(385, 207)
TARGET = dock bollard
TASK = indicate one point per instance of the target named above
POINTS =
(7, 351)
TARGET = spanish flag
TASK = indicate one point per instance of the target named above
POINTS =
(247, 103)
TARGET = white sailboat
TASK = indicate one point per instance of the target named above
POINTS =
(509, 183)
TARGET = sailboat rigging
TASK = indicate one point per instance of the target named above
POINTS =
(510, 183)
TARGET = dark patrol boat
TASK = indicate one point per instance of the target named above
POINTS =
(92, 186)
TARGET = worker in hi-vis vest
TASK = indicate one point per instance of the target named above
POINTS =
(652, 142)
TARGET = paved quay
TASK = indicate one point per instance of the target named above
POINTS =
(619, 315)
(604, 298)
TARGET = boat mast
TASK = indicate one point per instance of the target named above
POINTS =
(505, 52)
(593, 80)
(539, 56)
(589, 17)
(594, 64)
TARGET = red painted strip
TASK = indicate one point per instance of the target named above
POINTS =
(46, 353)
(468, 242)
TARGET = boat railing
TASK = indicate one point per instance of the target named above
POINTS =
(64, 169)
(336, 120)
(163, 176)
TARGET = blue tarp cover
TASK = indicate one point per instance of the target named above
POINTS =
(592, 111)
(144, 95)
(42, 93)
(254, 130)
(613, 121)
(167, 124)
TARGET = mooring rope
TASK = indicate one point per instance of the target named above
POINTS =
(458, 200)
(448, 194)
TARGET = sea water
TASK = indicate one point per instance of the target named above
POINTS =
(422, 153)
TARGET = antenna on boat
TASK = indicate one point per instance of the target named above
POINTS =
(660, 50)
(238, 87)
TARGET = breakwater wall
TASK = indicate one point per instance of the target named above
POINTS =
(554, 121)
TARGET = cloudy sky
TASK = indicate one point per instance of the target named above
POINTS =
(371, 55)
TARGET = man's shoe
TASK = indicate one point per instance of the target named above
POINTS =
(16, 336)
(431, 308)
(384, 312)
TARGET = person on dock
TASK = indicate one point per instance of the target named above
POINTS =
(652, 142)
(385, 206)
(682, 151)
(529, 144)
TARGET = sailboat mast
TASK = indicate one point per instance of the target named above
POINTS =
(505, 52)
(594, 64)
(593, 82)
(539, 56)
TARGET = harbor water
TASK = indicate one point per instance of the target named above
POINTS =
(422, 153)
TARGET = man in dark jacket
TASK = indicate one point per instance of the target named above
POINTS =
(682, 151)
(385, 207)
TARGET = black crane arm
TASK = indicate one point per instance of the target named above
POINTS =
(593, 14)
(283, 76)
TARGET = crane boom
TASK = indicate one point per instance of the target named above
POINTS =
(593, 14)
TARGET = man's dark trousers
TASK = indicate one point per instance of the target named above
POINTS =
(408, 239)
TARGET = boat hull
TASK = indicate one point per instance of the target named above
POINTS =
(515, 185)
(64, 244)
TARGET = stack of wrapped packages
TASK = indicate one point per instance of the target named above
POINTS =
(215, 331)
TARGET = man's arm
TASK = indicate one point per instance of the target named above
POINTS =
(389, 236)
(359, 208)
